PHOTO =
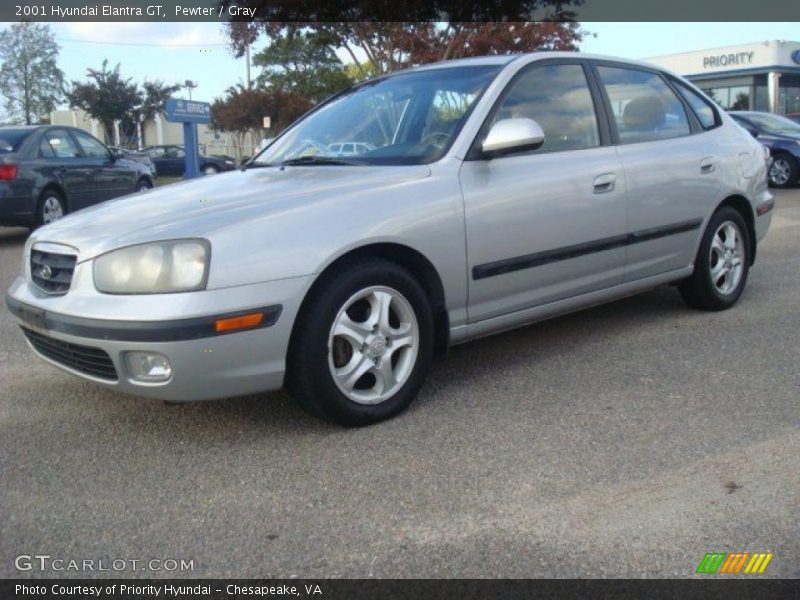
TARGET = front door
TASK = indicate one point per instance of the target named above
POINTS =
(111, 179)
(547, 224)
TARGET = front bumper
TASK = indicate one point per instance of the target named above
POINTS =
(205, 364)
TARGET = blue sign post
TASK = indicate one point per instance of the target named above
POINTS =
(190, 113)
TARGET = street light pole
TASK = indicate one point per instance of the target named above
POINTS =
(247, 59)
(190, 85)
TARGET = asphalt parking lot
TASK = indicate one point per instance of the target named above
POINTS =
(623, 441)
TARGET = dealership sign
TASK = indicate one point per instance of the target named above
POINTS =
(726, 60)
(189, 114)
(186, 111)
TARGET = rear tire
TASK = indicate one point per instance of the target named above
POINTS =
(372, 318)
(51, 207)
(209, 170)
(721, 265)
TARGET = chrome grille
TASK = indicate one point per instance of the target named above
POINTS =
(52, 272)
(84, 359)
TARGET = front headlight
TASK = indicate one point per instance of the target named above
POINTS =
(154, 268)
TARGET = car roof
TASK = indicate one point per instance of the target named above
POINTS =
(502, 60)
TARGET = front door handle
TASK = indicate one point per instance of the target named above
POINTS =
(707, 165)
(604, 183)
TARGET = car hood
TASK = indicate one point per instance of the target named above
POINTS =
(196, 208)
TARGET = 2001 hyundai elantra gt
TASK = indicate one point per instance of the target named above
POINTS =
(474, 196)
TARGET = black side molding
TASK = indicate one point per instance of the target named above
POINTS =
(176, 330)
(537, 259)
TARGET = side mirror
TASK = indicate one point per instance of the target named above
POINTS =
(753, 132)
(116, 155)
(512, 135)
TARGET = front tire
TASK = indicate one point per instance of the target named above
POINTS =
(143, 185)
(722, 263)
(783, 172)
(363, 344)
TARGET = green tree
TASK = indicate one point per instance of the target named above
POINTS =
(304, 62)
(241, 112)
(30, 81)
(106, 96)
(154, 101)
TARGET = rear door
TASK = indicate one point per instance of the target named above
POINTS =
(67, 165)
(547, 224)
(671, 168)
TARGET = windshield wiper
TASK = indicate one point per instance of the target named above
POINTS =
(316, 160)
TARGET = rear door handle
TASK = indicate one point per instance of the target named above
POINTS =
(707, 165)
(604, 183)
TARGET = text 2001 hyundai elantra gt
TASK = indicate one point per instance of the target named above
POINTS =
(408, 213)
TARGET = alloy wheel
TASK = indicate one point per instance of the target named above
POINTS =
(780, 171)
(726, 259)
(51, 210)
(373, 345)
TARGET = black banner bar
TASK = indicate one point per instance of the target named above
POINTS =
(399, 589)
(159, 11)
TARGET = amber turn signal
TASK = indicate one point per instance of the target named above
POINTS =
(243, 322)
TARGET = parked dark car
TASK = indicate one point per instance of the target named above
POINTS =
(140, 157)
(782, 137)
(794, 117)
(170, 161)
(47, 171)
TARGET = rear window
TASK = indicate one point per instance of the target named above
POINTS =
(702, 108)
(11, 139)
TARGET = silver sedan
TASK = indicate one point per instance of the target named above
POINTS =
(480, 195)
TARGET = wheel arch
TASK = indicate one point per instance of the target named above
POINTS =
(741, 205)
(412, 260)
(147, 178)
(55, 187)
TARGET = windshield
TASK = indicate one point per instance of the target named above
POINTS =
(11, 139)
(774, 124)
(409, 118)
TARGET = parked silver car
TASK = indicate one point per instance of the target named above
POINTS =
(491, 193)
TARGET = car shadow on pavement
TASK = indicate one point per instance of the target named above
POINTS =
(539, 345)
(13, 236)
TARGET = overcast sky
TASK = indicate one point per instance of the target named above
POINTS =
(174, 52)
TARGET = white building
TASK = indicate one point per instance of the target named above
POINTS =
(759, 76)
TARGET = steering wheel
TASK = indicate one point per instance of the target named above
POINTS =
(436, 138)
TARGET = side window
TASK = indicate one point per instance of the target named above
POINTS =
(61, 143)
(45, 150)
(644, 106)
(156, 152)
(557, 97)
(91, 147)
(174, 152)
(702, 108)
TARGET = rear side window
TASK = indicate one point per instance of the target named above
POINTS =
(558, 98)
(45, 150)
(643, 105)
(702, 108)
(61, 143)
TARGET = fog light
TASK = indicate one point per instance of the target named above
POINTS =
(150, 367)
